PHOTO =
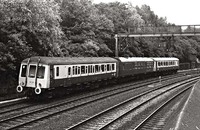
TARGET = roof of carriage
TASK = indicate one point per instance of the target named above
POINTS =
(166, 59)
(134, 59)
(70, 60)
(145, 59)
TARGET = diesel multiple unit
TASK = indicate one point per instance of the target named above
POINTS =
(46, 73)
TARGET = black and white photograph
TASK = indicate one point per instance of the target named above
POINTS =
(99, 65)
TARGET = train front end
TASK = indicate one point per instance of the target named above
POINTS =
(33, 76)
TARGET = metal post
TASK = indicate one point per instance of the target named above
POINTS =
(116, 46)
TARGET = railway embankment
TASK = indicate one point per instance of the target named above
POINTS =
(188, 118)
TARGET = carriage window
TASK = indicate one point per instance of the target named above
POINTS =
(82, 69)
(69, 71)
(89, 69)
(99, 68)
(79, 70)
(73, 70)
(93, 69)
(23, 73)
(86, 69)
(57, 71)
(108, 67)
(76, 70)
(102, 68)
(96, 68)
(32, 71)
(113, 66)
(40, 73)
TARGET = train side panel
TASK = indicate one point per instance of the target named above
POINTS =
(67, 75)
(134, 66)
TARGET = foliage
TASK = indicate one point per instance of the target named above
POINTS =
(28, 28)
(82, 23)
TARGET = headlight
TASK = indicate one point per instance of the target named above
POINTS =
(22, 83)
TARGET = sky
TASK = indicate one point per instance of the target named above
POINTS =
(179, 12)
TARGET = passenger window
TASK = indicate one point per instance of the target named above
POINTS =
(108, 67)
(23, 73)
(86, 69)
(82, 69)
(57, 71)
(89, 69)
(69, 71)
(32, 71)
(73, 70)
(93, 69)
(102, 68)
(113, 66)
(96, 68)
(99, 68)
(78, 68)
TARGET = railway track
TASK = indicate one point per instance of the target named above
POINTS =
(112, 117)
(23, 104)
(29, 117)
(158, 118)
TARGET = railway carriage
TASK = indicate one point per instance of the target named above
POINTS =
(39, 73)
(135, 65)
(166, 65)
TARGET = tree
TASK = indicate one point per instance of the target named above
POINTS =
(82, 22)
(27, 28)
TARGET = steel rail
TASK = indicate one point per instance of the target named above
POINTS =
(78, 125)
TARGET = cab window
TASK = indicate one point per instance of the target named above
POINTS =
(23, 73)
(32, 71)
(41, 71)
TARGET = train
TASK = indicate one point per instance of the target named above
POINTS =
(38, 74)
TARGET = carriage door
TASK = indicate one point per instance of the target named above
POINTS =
(31, 76)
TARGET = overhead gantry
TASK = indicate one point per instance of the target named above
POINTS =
(123, 40)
